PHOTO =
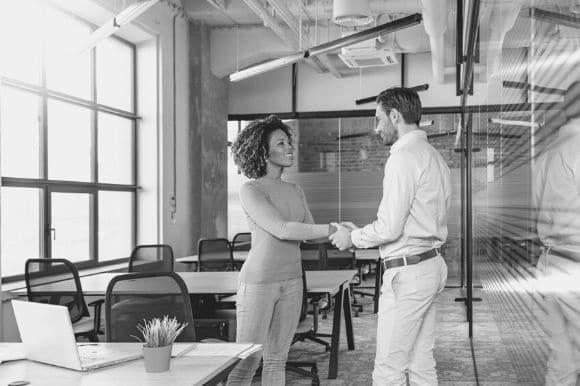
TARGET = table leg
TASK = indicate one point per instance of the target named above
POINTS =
(335, 340)
(378, 283)
(348, 318)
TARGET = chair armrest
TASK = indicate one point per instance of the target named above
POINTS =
(97, 304)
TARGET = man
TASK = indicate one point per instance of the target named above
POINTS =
(411, 225)
(557, 196)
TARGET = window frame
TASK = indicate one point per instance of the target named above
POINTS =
(94, 186)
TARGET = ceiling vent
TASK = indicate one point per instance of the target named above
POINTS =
(367, 54)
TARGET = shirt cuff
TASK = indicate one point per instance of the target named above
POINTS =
(355, 237)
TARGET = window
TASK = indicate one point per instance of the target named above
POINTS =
(68, 126)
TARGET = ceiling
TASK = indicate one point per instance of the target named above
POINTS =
(301, 24)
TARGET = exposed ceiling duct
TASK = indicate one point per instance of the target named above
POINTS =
(348, 13)
(502, 19)
(435, 22)
(325, 48)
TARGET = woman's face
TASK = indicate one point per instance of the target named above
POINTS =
(281, 150)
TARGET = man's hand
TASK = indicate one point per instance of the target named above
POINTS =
(349, 225)
(341, 238)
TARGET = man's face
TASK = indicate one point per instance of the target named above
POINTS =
(384, 127)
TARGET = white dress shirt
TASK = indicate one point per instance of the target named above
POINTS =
(557, 189)
(412, 216)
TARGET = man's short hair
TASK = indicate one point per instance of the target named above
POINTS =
(405, 100)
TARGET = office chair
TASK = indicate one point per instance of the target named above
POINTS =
(151, 258)
(333, 259)
(133, 297)
(307, 330)
(43, 271)
(242, 241)
(214, 255)
(310, 256)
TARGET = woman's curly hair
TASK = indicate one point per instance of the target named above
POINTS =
(251, 148)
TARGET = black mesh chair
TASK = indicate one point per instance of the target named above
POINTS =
(308, 330)
(215, 255)
(242, 242)
(310, 255)
(334, 259)
(39, 272)
(133, 297)
(151, 258)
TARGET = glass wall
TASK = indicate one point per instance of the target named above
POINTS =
(339, 163)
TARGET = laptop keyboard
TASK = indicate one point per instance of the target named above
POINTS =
(90, 354)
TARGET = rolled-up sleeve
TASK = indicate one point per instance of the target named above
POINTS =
(399, 186)
(259, 208)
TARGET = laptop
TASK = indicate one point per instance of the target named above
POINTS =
(48, 337)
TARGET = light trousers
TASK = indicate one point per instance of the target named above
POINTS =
(561, 287)
(406, 323)
(266, 314)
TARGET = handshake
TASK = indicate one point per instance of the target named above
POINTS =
(340, 234)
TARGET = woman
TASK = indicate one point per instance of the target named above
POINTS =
(270, 285)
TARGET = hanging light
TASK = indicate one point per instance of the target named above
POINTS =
(349, 13)
(126, 16)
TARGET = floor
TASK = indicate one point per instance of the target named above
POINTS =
(509, 344)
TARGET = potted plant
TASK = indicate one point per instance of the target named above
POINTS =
(158, 337)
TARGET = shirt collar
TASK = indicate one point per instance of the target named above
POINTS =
(406, 139)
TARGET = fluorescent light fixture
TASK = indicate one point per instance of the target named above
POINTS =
(426, 123)
(267, 66)
(126, 16)
(509, 122)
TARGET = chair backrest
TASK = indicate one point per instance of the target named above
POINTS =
(39, 272)
(334, 259)
(214, 255)
(310, 254)
(133, 297)
(242, 242)
(304, 308)
(151, 258)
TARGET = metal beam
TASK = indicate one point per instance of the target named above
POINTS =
(527, 86)
(371, 99)
(555, 18)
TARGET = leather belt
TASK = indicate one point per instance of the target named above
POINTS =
(410, 260)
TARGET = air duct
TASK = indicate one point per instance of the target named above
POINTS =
(502, 19)
(349, 13)
(435, 22)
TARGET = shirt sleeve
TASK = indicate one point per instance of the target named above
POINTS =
(259, 208)
(399, 188)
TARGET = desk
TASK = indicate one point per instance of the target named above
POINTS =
(187, 370)
(334, 283)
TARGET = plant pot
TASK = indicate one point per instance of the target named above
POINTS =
(157, 359)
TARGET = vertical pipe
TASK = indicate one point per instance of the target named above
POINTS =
(468, 221)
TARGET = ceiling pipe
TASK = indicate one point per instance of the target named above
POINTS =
(321, 49)
(502, 19)
(435, 22)
(271, 23)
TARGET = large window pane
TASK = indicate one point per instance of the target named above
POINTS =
(20, 228)
(68, 70)
(115, 149)
(19, 122)
(69, 142)
(115, 225)
(21, 29)
(115, 74)
(71, 233)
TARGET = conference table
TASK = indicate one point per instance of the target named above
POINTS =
(202, 366)
(333, 283)
(362, 256)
